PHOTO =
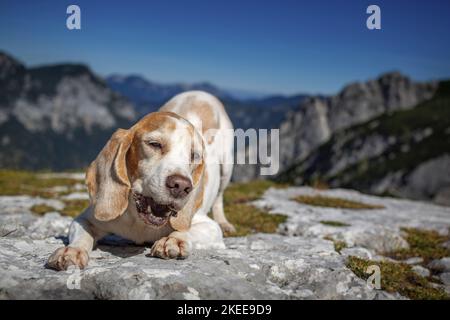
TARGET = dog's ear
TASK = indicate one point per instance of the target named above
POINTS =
(107, 178)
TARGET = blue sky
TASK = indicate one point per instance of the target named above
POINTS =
(264, 46)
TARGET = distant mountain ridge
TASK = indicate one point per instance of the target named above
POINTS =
(148, 96)
(139, 89)
(252, 112)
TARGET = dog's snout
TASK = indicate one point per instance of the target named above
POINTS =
(179, 186)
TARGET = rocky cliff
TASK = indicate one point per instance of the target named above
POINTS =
(403, 152)
(384, 136)
(55, 116)
(317, 119)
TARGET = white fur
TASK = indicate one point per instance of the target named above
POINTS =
(204, 232)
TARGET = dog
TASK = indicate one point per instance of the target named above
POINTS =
(157, 181)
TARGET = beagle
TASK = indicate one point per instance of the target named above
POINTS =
(157, 181)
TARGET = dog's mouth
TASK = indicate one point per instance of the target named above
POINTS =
(151, 212)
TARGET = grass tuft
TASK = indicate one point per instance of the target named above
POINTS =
(74, 207)
(14, 182)
(422, 243)
(338, 244)
(42, 209)
(248, 191)
(246, 218)
(333, 223)
(398, 277)
(319, 184)
(332, 202)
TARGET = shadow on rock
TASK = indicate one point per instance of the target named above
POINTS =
(120, 247)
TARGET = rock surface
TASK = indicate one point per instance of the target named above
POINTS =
(376, 229)
(297, 263)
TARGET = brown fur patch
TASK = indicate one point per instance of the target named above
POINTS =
(91, 181)
(197, 174)
(151, 122)
(206, 114)
(156, 120)
(203, 110)
(133, 158)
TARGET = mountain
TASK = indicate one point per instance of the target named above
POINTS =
(246, 110)
(55, 116)
(59, 116)
(260, 113)
(148, 96)
(318, 118)
(388, 136)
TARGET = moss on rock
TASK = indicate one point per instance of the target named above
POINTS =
(426, 244)
(332, 202)
(14, 182)
(398, 277)
(246, 218)
(333, 223)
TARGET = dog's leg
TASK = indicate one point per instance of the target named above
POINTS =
(219, 215)
(82, 237)
(217, 209)
(204, 233)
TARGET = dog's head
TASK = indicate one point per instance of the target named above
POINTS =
(154, 168)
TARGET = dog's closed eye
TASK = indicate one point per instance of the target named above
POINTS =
(155, 144)
(195, 156)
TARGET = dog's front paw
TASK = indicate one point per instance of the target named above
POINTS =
(170, 248)
(64, 257)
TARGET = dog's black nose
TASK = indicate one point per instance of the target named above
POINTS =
(179, 186)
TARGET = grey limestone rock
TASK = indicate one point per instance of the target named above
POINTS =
(296, 263)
